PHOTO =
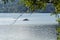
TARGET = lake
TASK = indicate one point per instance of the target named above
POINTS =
(39, 27)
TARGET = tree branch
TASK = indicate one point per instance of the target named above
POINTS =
(17, 18)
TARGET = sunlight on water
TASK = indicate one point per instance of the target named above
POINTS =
(7, 19)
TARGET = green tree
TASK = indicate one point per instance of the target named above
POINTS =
(34, 4)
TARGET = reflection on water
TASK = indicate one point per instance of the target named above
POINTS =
(28, 32)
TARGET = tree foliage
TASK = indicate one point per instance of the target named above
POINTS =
(41, 4)
(56, 4)
(35, 4)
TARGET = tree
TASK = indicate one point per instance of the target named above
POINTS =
(34, 4)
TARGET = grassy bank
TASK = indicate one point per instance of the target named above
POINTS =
(58, 33)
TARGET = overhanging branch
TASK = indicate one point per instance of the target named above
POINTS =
(17, 18)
